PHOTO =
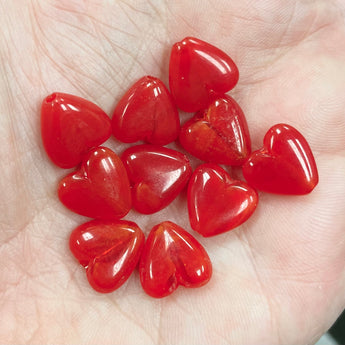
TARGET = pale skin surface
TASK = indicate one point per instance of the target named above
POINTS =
(278, 279)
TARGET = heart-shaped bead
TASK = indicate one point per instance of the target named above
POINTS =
(70, 127)
(216, 202)
(157, 175)
(108, 250)
(285, 164)
(218, 134)
(146, 112)
(198, 72)
(99, 188)
(172, 257)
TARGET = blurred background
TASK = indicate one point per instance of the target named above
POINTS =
(336, 335)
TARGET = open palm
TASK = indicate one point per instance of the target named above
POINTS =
(279, 278)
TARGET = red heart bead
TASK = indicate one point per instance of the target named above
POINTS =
(108, 250)
(172, 257)
(70, 127)
(216, 202)
(197, 72)
(285, 164)
(146, 112)
(157, 175)
(218, 134)
(99, 189)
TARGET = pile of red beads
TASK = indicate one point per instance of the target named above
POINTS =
(149, 177)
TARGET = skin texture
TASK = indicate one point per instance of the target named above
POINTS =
(279, 278)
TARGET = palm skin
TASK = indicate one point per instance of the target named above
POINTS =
(279, 278)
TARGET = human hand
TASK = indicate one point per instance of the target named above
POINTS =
(280, 277)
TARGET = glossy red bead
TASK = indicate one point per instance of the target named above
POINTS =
(70, 127)
(198, 72)
(99, 188)
(157, 175)
(172, 257)
(285, 164)
(216, 202)
(108, 250)
(146, 112)
(218, 134)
